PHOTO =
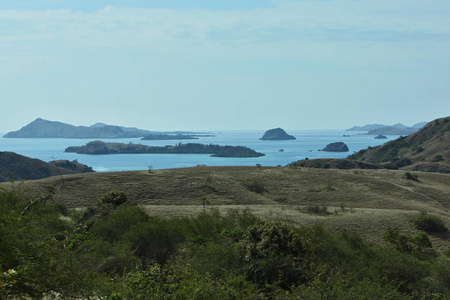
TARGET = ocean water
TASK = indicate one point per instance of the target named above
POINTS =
(307, 145)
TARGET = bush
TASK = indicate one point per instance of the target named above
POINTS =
(437, 158)
(255, 186)
(114, 197)
(429, 223)
(411, 176)
(317, 210)
(272, 254)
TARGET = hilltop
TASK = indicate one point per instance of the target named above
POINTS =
(19, 167)
(427, 150)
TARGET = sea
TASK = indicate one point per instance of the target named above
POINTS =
(308, 144)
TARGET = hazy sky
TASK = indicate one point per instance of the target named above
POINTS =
(224, 64)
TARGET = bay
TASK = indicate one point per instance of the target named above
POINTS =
(307, 145)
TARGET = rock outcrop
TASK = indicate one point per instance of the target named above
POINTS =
(336, 147)
(277, 134)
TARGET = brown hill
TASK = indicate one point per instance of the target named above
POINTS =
(19, 167)
(427, 150)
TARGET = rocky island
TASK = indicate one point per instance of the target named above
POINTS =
(380, 137)
(336, 147)
(277, 134)
(99, 147)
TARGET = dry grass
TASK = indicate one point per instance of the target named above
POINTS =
(365, 201)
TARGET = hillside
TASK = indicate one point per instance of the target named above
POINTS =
(428, 149)
(20, 167)
(227, 233)
(392, 130)
(365, 201)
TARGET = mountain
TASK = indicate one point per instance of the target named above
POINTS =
(41, 128)
(277, 134)
(427, 149)
(366, 127)
(399, 125)
(392, 130)
(132, 130)
(19, 167)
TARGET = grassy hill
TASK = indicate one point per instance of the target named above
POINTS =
(364, 201)
(426, 150)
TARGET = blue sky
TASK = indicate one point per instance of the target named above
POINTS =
(224, 64)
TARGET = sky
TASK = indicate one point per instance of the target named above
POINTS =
(224, 64)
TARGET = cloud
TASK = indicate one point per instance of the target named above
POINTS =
(289, 21)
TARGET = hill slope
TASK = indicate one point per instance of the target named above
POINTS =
(427, 149)
(366, 201)
(20, 167)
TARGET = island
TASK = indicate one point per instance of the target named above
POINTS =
(41, 128)
(396, 129)
(336, 147)
(277, 134)
(100, 147)
(178, 136)
(164, 137)
(380, 137)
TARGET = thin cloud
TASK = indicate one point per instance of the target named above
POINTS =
(305, 21)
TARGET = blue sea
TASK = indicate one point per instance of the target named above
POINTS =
(307, 145)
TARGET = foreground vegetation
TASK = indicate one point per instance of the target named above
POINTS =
(114, 250)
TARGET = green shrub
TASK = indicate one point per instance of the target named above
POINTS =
(429, 223)
(411, 176)
(254, 186)
(114, 197)
(272, 253)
